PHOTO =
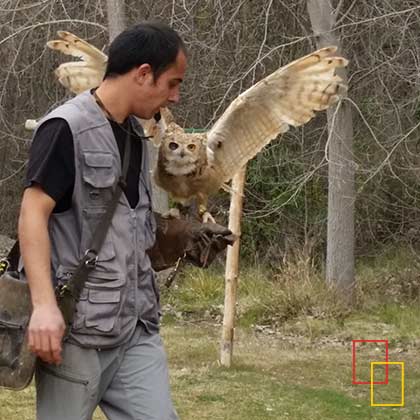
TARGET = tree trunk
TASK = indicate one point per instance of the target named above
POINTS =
(116, 17)
(232, 269)
(341, 192)
(116, 24)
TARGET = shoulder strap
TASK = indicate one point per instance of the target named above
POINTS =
(68, 294)
(88, 262)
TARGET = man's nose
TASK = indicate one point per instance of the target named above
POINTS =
(174, 96)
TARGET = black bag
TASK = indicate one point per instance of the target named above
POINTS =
(17, 363)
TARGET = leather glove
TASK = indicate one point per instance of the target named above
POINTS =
(198, 242)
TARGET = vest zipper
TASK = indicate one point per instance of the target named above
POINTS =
(136, 260)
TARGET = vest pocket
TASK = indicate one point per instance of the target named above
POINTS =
(103, 309)
(98, 170)
(99, 174)
(99, 306)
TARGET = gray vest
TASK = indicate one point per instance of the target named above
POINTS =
(121, 290)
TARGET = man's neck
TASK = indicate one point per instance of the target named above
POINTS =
(114, 100)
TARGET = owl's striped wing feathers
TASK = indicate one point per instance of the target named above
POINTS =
(78, 76)
(71, 44)
(288, 97)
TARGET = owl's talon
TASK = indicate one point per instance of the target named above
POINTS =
(173, 213)
(208, 218)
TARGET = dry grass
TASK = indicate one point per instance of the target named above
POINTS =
(276, 376)
(299, 366)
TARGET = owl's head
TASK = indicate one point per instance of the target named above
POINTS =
(182, 152)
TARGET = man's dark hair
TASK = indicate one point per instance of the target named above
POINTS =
(151, 43)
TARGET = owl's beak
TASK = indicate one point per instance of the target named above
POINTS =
(182, 154)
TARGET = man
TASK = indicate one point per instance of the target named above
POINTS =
(113, 355)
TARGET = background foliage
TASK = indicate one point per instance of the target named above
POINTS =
(232, 44)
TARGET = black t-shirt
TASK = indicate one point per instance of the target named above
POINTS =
(51, 161)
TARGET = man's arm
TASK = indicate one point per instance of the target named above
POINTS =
(46, 327)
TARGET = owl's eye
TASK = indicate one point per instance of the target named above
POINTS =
(172, 145)
(191, 147)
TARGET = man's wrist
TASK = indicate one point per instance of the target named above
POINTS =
(44, 301)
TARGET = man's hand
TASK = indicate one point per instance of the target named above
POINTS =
(46, 327)
(45, 332)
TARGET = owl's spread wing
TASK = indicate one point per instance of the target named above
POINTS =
(78, 76)
(289, 96)
(71, 44)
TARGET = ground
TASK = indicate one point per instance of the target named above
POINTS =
(276, 375)
(293, 346)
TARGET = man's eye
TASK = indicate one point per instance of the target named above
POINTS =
(172, 145)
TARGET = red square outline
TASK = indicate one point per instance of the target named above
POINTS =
(354, 382)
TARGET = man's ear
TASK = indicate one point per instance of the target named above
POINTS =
(143, 73)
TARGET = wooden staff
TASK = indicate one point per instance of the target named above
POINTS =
(232, 268)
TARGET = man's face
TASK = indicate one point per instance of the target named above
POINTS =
(155, 94)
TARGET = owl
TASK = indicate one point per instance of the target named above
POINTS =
(195, 166)
(182, 169)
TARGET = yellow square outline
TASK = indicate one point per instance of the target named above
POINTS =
(372, 404)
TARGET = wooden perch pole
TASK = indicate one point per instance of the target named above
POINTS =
(232, 268)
